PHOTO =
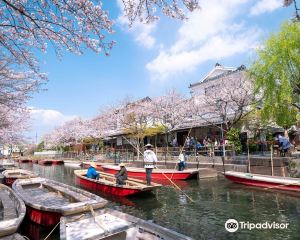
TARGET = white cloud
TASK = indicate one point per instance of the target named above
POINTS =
(142, 32)
(212, 33)
(45, 120)
(264, 6)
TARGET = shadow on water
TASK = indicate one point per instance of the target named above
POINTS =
(214, 202)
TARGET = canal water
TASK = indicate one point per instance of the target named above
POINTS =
(214, 202)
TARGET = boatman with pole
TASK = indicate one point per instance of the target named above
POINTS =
(150, 161)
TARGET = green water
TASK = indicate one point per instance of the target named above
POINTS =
(215, 201)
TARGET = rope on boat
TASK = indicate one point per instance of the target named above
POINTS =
(25, 237)
(52, 231)
(164, 174)
(80, 216)
(100, 223)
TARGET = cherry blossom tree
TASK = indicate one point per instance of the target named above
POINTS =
(72, 25)
(12, 125)
(134, 120)
(225, 99)
(170, 111)
(16, 87)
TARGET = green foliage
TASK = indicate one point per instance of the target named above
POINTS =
(276, 73)
(233, 136)
(40, 147)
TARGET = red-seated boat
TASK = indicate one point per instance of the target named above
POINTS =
(24, 160)
(135, 172)
(50, 162)
(57, 162)
(265, 181)
(107, 183)
(47, 200)
(12, 175)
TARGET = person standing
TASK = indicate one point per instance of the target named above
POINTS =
(181, 161)
(150, 161)
(121, 176)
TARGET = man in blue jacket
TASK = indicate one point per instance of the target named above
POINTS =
(92, 173)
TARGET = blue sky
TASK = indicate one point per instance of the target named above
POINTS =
(150, 59)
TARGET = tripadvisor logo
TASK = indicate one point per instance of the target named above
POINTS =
(233, 225)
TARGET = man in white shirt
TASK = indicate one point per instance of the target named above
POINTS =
(150, 161)
(181, 161)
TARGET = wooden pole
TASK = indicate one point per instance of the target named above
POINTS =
(272, 166)
(249, 164)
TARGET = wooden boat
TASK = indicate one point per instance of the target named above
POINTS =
(57, 161)
(50, 162)
(44, 162)
(72, 163)
(12, 210)
(135, 172)
(24, 160)
(7, 165)
(265, 181)
(11, 175)
(107, 183)
(14, 236)
(110, 224)
(47, 200)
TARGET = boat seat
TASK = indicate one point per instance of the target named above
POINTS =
(9, 209)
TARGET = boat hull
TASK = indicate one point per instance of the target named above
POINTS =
(43, 218)
(176, 175)
(94, 186)
(47, 200)
(263, 184)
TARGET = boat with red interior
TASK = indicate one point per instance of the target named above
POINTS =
(47, 200)
(12, 175)
(265, 181)
(135, 172)
(107, 183)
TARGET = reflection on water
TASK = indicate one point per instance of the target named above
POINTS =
(216, 200)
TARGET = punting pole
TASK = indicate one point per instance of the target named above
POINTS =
(248, 154)
(163, 173)
(272, 165)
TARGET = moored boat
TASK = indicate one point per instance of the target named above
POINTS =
(111, 224)
(14, 236)
(135, 172)
(44, 162)
(7, 165)
(11, 175)
(265, 181)
(57, 161)
(24, 160)
(50, 162)
(12, 210)
(72, 163)
(47, 200)
(107, 183)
